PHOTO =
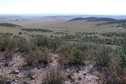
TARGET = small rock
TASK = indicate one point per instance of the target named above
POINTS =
(69, 76)
(72, 79)
(38, 68)
(13, 83)
(84, 74)
(13, 76)
(77, 82)
(79, 78)
(15, 72)
(77, 71)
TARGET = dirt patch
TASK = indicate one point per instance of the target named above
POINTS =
(73, 75)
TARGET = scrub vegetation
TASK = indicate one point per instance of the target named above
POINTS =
(57, 51)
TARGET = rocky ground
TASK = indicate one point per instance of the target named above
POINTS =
(18, 73)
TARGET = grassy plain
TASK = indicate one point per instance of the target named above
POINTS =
(56, 24)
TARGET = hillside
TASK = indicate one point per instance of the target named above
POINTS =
(62, 50)
(121, 22)
(94, 19)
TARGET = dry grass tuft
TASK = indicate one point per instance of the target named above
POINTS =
(34, 58)
(114, 74)
(29, 74)
(54, 76)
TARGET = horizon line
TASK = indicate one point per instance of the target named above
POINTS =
(64, 14)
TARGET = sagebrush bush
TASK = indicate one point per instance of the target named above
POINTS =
(72, 54)
(64, 49)
(122, 57)
(103, 56)
(24, 45)
(61, 61)
(4, 80)
(54, 44)
(124, 45)
(114, 74)
(36, 57)
(54, 76)
(7, 43)
(29, 74)
(76, 57)
(50, 43)
(8, 55)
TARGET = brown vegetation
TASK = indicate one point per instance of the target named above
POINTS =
(54, 76)
(36, 57)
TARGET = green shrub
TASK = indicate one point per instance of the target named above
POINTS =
(37, 30)
(124, 45)
(73, 54)
(50, 43)
(19, 33)
(23, 45)
(76, 57)
(65, 49)
(7, 43)
(68, 37)
(102, 56)
(41, 41)
(54, 44)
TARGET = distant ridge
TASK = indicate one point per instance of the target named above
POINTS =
(94, 19)
(120, 22)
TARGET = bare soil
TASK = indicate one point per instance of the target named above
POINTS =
(74, 75)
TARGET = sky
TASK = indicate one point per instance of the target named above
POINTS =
(99, 7)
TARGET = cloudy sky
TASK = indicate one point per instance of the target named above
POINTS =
(109, 7)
